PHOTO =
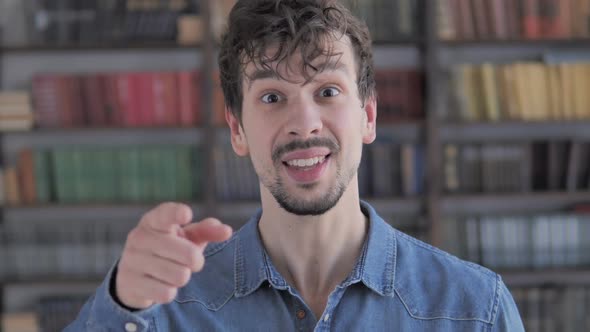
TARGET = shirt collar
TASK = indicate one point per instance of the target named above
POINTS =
(375, 267)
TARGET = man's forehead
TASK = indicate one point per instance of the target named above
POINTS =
(340, 58)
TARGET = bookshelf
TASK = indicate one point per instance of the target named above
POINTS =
(425, 213)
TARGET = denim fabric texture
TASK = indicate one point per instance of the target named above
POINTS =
(399, 284)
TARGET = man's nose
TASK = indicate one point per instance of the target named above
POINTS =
(305, 118)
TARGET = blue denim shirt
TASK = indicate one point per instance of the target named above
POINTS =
(399, 284)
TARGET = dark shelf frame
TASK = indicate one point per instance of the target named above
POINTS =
(480, 204)
(515, 131)
(151, 45)
(98, 47)
(571, 42)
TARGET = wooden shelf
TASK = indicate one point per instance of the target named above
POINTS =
(515, 131)
(554, 43)
(121, 46)
(59, 212)
(452, 53)
(52, 280)
(42, 138)
(540, 278)
(480, 204)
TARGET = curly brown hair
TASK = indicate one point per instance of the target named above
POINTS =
(307, 26)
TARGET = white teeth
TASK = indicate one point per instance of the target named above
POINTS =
(306, 162)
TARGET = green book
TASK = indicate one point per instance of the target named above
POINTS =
(43, 183)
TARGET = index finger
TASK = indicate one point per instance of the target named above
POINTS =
(166, 216)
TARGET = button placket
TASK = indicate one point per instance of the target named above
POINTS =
(301, 314)
(130, 327)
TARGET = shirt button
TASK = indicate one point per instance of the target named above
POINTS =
(131, 327)
(300, 314)
(326, 317)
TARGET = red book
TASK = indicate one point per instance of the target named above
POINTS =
(170, 99)
(466, 19)
(555, 18)
(391, 95)
(415, 94)
(78, 112)
(165, 101)
(113, 107)
(26, 177)
(189, 96)
(498, 19)
(65, 102)
(159, 100)
(124, 96)
(143, 98)
(93, 90)
(481, 18)
(399, 95)
(513, 21)
(531, 19)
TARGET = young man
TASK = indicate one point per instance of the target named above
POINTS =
(298, 83)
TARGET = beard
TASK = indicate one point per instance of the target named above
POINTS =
(314, 206)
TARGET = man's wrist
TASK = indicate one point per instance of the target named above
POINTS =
(113, 291)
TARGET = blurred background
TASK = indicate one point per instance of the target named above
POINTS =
(110, 107)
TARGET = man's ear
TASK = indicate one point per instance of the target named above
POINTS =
(238, 138)
(369, 120)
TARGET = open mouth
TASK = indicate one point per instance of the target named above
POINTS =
(306, 164)
(307, 170)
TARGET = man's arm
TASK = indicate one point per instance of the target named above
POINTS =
(508, 319)
(159, 256)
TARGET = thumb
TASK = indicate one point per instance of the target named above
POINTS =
(207, 230)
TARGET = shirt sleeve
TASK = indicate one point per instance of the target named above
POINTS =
(508, 319)
(102, 313)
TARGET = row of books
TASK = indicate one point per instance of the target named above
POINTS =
(65, 249)
(517, 167)
(389, 20)
(131, 174)
(553, 309)
(72, 22)
(16, 110)
(513, 19)
(528, 91)
(399, 95)
(124, 99)
(55, 313)
(525, 241)
(392, 170)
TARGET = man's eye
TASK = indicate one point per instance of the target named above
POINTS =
(329, 92)
(271, 98)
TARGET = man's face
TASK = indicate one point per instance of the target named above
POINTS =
(305, 138)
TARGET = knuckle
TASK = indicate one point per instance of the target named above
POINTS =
(198, 263)
(190, 257)
(169, 206)
(168, 294)
(183, 277)
(133, 236)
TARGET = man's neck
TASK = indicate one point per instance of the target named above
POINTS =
(316, 253)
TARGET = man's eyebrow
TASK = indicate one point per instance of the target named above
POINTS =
(266, 73)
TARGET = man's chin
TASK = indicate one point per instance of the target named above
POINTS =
(306, 209)
(308, 206)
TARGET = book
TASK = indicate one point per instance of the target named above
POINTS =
(119, 99)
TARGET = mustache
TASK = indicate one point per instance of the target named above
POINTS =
(279, 151)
